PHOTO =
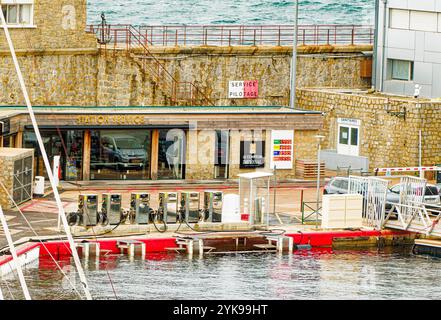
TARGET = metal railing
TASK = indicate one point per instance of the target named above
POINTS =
(129, 38)
(239, 35)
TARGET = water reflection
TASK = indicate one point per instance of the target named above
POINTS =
(315, 274)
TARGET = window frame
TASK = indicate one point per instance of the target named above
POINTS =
(6, 4)
(411, 70)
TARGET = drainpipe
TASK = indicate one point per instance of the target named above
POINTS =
(383, 59)
(375, 57)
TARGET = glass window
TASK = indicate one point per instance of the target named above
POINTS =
(12, 16)
(67, 144)
(222, 154)
(171, 157)
(25, 13)
(344, 135)
(120, 154)
(401, 70)
(18, 13)
(354, 136)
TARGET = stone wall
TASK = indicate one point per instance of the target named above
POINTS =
(387, 138)
(58, 24)
(85, 77)
(201, 152)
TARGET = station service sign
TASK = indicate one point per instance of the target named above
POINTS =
(243, 89)
(252, 154)
(282, 149)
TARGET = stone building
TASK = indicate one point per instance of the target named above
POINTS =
(408, 51)
(109, 116)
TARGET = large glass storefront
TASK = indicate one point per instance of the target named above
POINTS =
(114, 154)
(120, 154)
(66, 144)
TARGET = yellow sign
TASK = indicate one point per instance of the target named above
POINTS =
(103, 120)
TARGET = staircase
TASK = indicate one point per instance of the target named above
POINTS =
(176, 93)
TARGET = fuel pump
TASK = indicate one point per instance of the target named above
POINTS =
(88, 209)
(140, 209)
(190, 207)
(112, 208)
(213, 202)
(168, 208)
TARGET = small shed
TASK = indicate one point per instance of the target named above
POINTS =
(16, 175)
(254, 191)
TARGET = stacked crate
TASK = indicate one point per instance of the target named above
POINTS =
(16, 175)
(307, 169)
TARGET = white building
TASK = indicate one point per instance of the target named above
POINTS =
(408, 48)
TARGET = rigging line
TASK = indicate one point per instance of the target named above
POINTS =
(45, 216)
(18, 268)
(107, 271)
(45, 158)
(36, 234)
(9, 289)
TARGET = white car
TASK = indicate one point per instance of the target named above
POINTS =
(431, 196)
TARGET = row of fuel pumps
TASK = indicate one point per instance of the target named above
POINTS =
(174, 207)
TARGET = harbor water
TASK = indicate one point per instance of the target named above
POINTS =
(260, 12)
(305, 275)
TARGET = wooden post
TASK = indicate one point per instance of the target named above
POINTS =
(19, 140)
(86, 155)
(155, 154)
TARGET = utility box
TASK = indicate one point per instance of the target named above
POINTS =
(190, 206)
(342, 211)
(213, 202)
(112, 208)
(140, 208)
(168, 207)
(88, 209)
(254, 191)
(16, 174)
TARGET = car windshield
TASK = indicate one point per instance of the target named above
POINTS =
(431, 191)
(128, 143)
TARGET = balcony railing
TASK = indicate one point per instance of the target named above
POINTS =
(236, 35)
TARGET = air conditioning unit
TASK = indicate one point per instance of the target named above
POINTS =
(112, 208)
(213, 202)
(140, 208)
(88, 209)
(190, 206)
(168, 207)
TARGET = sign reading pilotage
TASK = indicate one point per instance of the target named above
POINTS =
(243, 89)
(252, 154)
(282, 149)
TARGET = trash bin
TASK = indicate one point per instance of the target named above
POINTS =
(39, 187)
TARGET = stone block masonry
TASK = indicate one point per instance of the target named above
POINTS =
(389, 132)
(92, 77)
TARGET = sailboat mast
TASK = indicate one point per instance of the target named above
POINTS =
(61, 212)
(21, 278)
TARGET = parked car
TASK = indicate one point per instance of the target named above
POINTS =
(124, 150)
(431, 196)
(340, 185)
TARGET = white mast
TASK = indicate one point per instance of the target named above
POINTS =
(23, 284)
(61, 212)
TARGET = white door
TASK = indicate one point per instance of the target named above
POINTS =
(348, 140)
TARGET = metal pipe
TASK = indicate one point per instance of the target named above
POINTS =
(23, 284)
(45, 158)
(319, 138)
(383, 53)
(375, 57)
(292, 100)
